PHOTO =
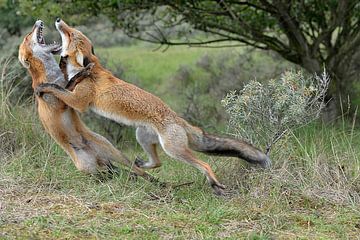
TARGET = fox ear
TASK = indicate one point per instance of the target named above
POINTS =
(80, 58)
(24, 62)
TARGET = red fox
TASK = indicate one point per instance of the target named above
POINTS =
(156, 123)
(90, 152)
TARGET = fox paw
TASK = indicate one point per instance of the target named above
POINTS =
(139, 162)
(43, 88)
(218, 189)
(89, 67)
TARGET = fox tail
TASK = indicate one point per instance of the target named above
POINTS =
(224, 146)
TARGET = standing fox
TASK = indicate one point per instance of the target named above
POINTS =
(89, 151)
(156, 123)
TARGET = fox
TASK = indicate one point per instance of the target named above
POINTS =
(90, 152)
(156, 123)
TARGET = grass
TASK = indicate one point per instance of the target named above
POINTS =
(311, 192)
(148, 67)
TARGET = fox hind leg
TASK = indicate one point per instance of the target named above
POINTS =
(108, 151)
(175, 143)
(148, 140)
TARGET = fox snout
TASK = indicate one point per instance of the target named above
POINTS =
(39, 23)
(62, 26)
(58, 23)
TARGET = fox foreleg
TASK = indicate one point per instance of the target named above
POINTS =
(80, 76)
(79, 99)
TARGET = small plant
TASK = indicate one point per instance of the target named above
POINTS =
(264, 113)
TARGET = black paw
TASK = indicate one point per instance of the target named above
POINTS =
(139, 162)
(218, 189)
(41, 89)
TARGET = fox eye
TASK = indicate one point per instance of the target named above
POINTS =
(25, 62)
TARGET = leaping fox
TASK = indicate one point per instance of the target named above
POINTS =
(90, 152)
(156, 123)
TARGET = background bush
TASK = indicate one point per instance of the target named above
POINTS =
(262, 113)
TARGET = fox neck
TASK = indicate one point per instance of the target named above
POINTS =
(98, 68)
(45, 71)
(52, 69)
(37, 72)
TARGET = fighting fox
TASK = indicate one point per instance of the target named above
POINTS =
(156, 123)
(89, 151)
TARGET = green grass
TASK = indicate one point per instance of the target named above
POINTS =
(151, 68)
(312, 192)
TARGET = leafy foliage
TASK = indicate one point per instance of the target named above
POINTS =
(12, 20)
(263, 113)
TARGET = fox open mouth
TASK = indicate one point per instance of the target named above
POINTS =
(39, 34)
(54, 47)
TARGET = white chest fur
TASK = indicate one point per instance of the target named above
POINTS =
(71, 71)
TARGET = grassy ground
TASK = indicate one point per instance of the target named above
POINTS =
(311, 192)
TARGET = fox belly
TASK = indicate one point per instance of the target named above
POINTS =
(120, 118)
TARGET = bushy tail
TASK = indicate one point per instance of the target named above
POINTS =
(224, 146)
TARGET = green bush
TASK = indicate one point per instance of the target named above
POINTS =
(263, 112)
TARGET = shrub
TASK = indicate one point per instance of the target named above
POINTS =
(263, 113)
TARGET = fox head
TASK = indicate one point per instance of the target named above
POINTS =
(34, 54)
(76, 47)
